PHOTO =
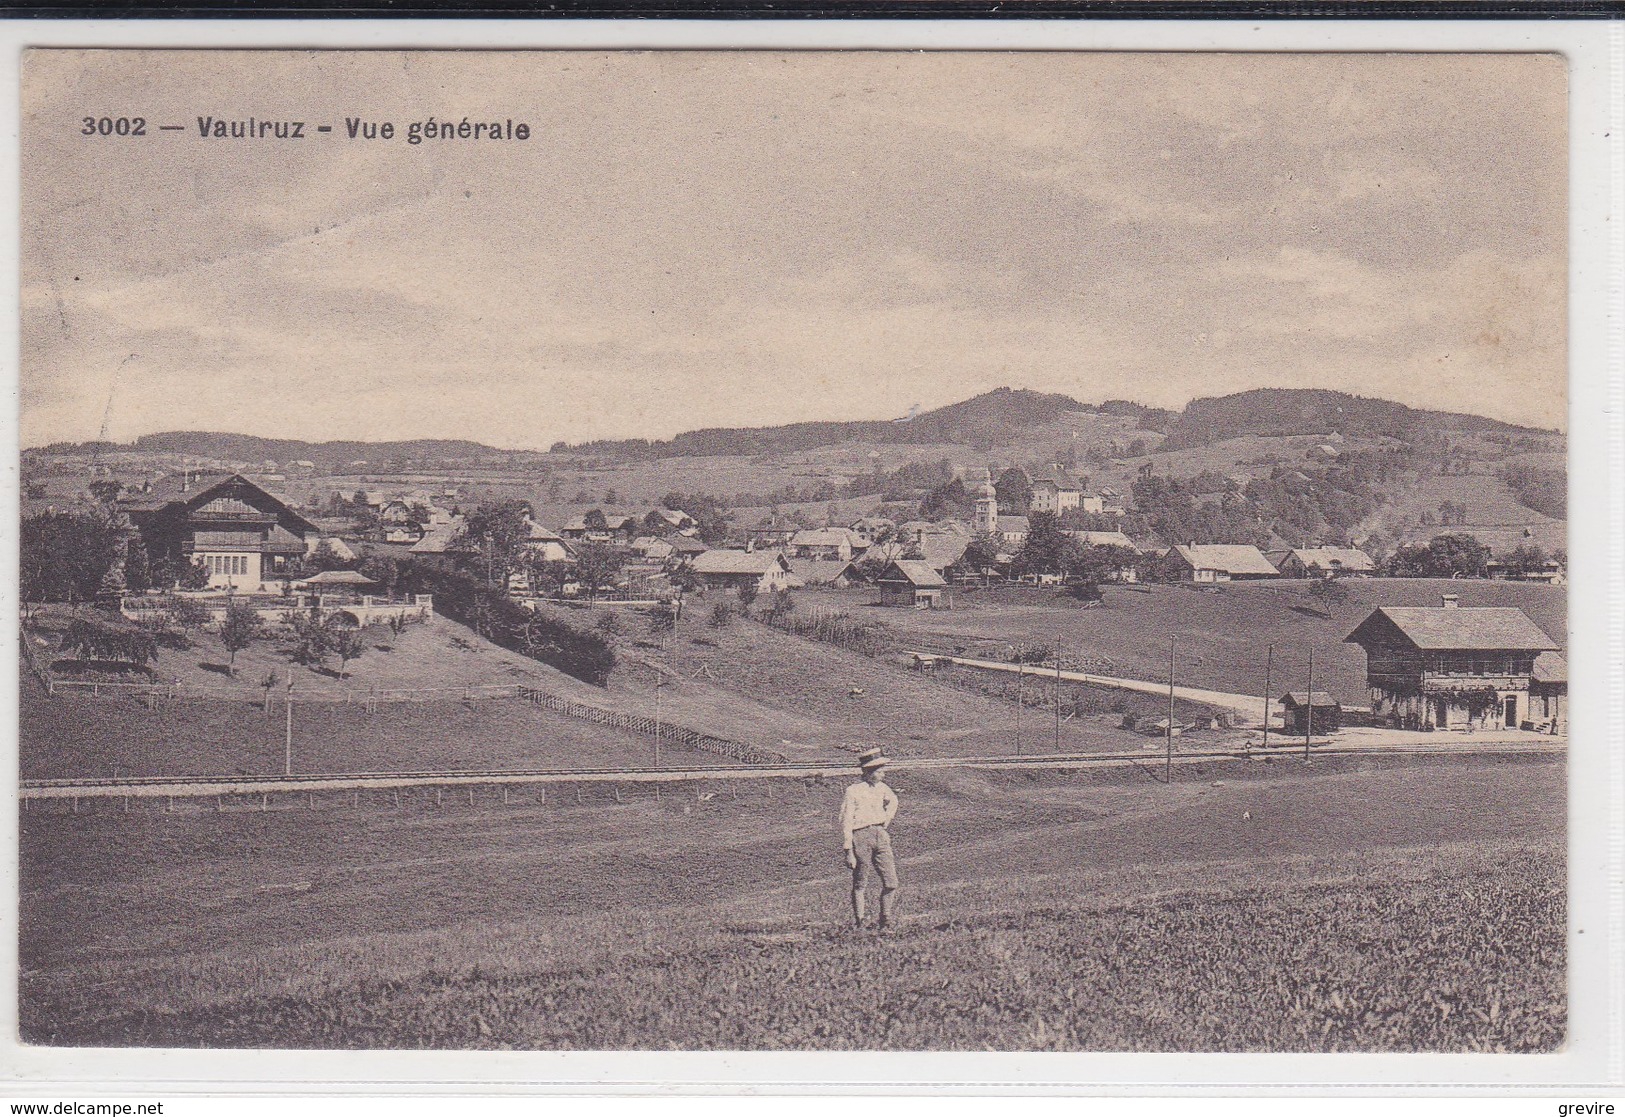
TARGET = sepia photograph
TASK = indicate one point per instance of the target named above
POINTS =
(760, 550)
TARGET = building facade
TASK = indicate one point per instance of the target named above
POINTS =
(1454, 668)
(243, 535)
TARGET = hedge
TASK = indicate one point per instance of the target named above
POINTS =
(585, 655)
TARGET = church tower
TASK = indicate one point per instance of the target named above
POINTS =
(987, 507)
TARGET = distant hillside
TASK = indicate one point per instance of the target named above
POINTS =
(326, 455)
(993, 418)
(1295, 411)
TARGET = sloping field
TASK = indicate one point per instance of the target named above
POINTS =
(1351, 905)
(842, 699)
(1494, 516)
(1220, 638)
(71, 736)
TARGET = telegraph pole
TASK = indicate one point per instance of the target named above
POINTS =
(1269, 662)
(1057, 698)
(1021, 694)
(287, 732)
(1168, 765)
(1309, 721)
(660, 684)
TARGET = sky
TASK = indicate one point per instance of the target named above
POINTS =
(744, 239)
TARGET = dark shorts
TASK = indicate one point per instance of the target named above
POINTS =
(872, 846)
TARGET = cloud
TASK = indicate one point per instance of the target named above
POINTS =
(741, 239)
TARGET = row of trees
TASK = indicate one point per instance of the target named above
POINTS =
(75, 557)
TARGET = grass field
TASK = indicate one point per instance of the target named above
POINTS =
(73, 736)
(441, 655)
(1221, 637)
(1355, 905)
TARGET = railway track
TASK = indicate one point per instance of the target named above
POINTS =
(198, 786)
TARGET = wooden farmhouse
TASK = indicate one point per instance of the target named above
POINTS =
(1454, 668)
(1325, 562)
(1219, 562)
(912, 582)
(244, 535)
(723, 569)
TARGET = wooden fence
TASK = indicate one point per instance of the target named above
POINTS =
(346, 697)
(648, 727)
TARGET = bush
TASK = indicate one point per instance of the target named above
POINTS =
(541, 636)
(722, 614)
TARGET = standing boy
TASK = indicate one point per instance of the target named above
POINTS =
(866, 810)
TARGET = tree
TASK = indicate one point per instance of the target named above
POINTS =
(383, 570)
(64, 556)
(1015, 491)
(781, 603)
(981, 553)
(349, 642)
(747, 592)
(137, 570)
(397, 626)
(500, 532)
(239, 629)
(1102, 562)
(663, 618)
(1444, 556)
(595, 520)
(188, 613)
(312, 640)
(722, 614)
(1047, 550)
(104, 638)
(1328, 591)
(325, 557)
(106, 492)
(1525, 558)
(597, 567)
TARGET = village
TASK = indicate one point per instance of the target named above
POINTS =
(214, 550)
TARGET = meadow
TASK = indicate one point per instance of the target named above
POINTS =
(1371, 904)
(1221, 634)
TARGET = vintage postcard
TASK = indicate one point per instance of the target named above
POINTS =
(795, 551)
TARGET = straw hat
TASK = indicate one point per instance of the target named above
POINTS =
(873, 758)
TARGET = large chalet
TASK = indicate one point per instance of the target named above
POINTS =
(1454, 668)
(241, 533)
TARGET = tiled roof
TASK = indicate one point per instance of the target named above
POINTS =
(1551, 668)
(1494, 629)
(736, 562)
(1300, 699)
(1344, 558)
(1103, 539)
(915, 571)
(1229, 557)
(818, 572)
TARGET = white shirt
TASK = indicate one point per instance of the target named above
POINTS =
(866, 804)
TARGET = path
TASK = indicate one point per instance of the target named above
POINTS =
(1245, 704)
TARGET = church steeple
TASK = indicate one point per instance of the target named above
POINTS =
(987, 507)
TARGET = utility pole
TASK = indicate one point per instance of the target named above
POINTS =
(1269, 662)
(660, 684)
(1168, 765)
(1021, 694)
(1057, 698)
(287, 732)
(1309, 718)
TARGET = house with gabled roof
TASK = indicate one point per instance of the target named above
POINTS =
(729, 569)
(911, 582)
(1454, 668)
(827, 543)
(242, 533)
(1324, 562)
(822, 572)
(1218, 562)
